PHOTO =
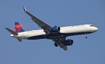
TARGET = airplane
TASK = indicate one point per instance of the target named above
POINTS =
(55, 33)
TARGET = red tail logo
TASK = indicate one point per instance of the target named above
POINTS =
(18, 27)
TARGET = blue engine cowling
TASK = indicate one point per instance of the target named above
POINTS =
(55, 29)
(68, 42)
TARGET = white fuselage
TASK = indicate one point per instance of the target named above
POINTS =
(67, 31)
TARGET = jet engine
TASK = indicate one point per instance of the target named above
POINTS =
(55, 29)
(68, 42)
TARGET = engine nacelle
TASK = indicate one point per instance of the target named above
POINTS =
(55, 29)
(68, 42)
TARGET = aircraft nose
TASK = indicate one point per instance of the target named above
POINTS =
(95, 29)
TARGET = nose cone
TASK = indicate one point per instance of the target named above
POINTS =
(95, 29)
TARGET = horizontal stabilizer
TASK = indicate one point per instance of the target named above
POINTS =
(19, 39)
(11, 31)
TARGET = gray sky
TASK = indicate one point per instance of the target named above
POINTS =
(53, 12)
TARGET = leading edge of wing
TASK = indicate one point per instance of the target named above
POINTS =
(42, 24)
(28, 12)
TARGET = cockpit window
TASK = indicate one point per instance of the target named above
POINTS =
(91, 25)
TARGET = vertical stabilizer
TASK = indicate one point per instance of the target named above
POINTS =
(18, 27)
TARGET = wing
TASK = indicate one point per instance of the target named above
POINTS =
(59, 40)
(42, 24)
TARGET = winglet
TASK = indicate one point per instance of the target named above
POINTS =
(24, 9)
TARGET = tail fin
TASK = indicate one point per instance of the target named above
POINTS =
(18, 27)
